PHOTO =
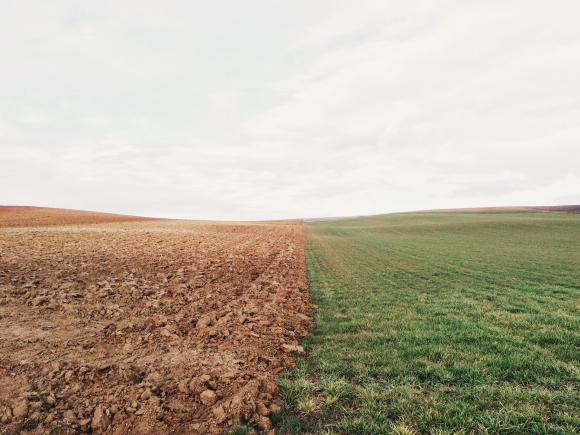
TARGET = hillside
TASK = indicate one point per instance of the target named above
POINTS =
(458, 322)
(24, 216)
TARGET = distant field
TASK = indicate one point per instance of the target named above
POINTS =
(17, 216)
(441, 322)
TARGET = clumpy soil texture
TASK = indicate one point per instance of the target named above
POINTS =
(148, 327)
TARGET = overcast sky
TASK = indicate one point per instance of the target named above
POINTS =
(275, 109)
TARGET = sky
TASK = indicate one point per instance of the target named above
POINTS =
(275, 109)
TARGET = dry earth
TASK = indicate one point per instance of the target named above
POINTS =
(11, 216)
(151, 326)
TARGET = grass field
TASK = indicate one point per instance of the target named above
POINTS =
(441, 322)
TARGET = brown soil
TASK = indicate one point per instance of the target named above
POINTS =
(18, 216)
(147, 327)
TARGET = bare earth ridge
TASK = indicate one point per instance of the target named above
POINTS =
(14, 216)
(147, 326)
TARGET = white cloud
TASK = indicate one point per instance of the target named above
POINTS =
(270, 110)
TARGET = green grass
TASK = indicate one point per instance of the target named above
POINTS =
(441, 323)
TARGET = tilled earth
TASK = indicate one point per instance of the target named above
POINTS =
(152, 326)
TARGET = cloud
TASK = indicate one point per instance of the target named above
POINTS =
(268, 111)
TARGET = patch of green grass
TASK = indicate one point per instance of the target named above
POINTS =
(26, 426)
(439, 323)
(240, 430)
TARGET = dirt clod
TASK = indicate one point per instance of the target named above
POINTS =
(293, 348)
(20, 409)
(100, 420)
(263, 423)
(207, 397)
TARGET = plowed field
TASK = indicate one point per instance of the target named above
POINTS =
(148, 326)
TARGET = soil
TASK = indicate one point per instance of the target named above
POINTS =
(153, 326)
(18, 216)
